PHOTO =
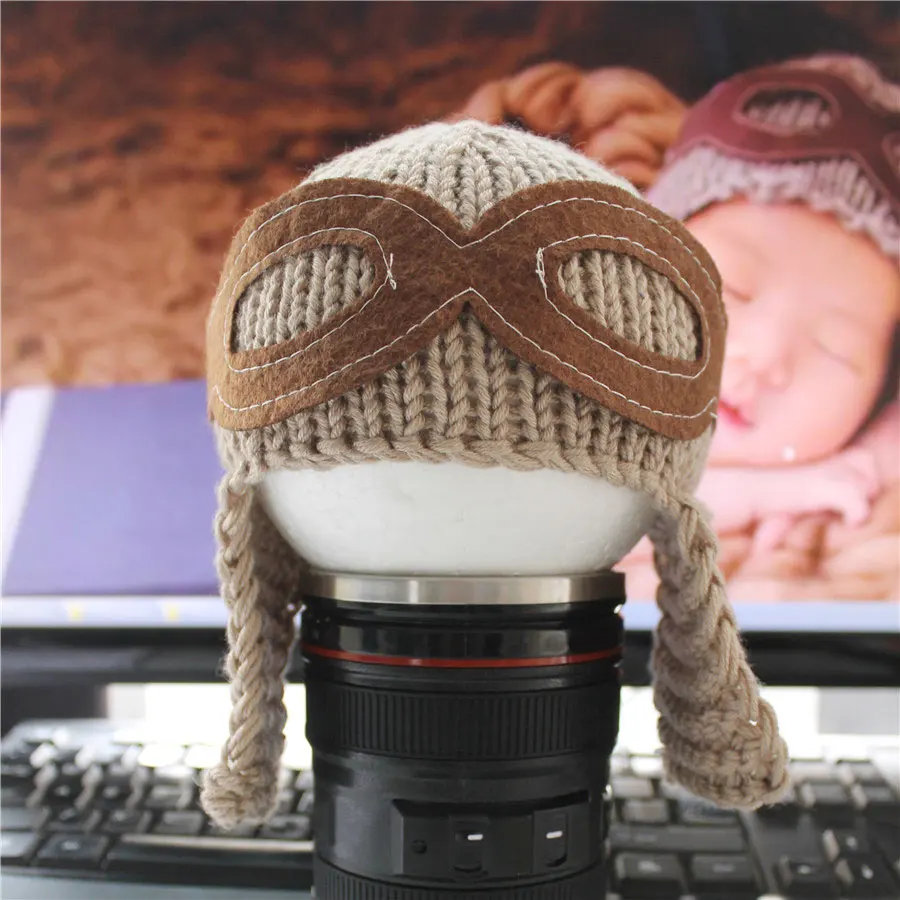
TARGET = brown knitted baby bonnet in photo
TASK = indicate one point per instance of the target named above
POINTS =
(472, 293)
(822, 131)
(623, 118)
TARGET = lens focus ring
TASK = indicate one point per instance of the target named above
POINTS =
(343, 717)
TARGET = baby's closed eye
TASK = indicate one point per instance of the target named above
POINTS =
(734, 292)
(843, 340)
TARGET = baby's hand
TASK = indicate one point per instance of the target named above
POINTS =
(772, 531)
(846, 484)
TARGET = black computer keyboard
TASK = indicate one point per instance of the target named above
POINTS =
(88, 798)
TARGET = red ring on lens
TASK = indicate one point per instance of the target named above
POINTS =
(433, 663)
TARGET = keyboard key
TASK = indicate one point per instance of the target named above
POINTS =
(184, 822)
(806, 878)
(17, 848)
(58, 789)
(16, 756)
(239, 831)
(700, 812)
(22, 819)
(15, 795)
(127, 821)
(787, 812)
(886, 837)
(306, 803)
(861, 771)
(645, 812)
(179, 774)
(124, 766)
(676, 839)
(62, 794)
(646, 875)
(17, 773)
(289, 828)
(73, 819)
(73, 850)
(676, 792)
(865, 876)
(43, 754)
(98, 755)
(841, 842)
(167, 796)
(625, 788)
(112, 796)
(779, 847)
(287, 800)
(823, 793)
(876, 801)
(811, 770)
(64, 756)
(205, 860)
(829, 802)
(730, 876)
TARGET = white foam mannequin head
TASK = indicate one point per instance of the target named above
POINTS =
(416, 518)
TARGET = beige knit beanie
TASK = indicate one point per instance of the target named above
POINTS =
(824, 131)
(393, 307)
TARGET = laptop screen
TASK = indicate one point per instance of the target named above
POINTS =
(109, 498)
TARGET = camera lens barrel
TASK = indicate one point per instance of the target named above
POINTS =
(461, 731)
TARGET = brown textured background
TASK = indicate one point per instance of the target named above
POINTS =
(137, 136)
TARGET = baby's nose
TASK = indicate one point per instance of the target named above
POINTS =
(778, 374)
(754, 362)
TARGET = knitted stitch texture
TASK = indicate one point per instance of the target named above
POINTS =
(704, 175)
(465, 398)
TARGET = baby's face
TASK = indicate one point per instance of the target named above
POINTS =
(812, 310)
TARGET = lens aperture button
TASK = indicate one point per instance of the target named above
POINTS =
(470, 838)
(551, 838)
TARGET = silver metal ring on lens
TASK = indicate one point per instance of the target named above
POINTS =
(465, 591)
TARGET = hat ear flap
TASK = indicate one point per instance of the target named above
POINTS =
(260, 577)
(720, 738)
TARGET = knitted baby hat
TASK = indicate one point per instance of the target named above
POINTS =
(824, 131)
(393, 307)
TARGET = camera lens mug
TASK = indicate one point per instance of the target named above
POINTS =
(461, 731)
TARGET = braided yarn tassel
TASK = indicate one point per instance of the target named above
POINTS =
(243, 786)
(720, 737)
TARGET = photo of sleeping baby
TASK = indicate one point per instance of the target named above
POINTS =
(804, 465)
(790, 176)
(137, 135)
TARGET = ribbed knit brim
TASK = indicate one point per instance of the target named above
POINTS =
(465, 398)
(705, 175)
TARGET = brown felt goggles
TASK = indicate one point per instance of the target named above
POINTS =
(505, 269)
(855, 128)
